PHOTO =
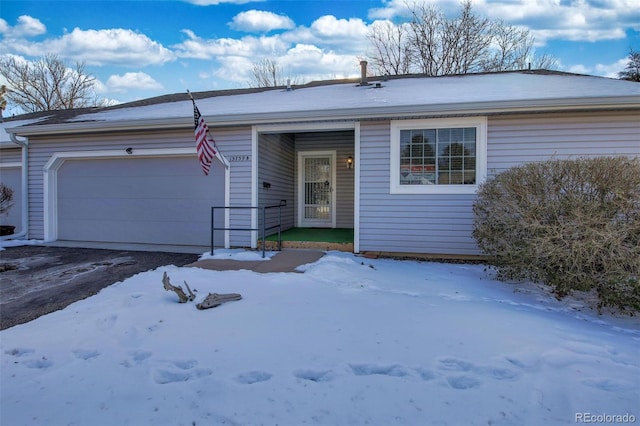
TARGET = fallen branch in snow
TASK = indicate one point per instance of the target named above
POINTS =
(178, 290)
(215, 299)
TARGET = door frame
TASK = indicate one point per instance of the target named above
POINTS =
(301, 156)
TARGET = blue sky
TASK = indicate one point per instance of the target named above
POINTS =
(143, 48)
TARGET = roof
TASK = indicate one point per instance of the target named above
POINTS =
(519, 91)
(21, 120)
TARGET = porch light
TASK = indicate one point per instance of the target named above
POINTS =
(349, 162)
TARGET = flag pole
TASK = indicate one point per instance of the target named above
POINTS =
(227, 183)
(220, 156)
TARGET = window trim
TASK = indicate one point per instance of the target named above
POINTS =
(480, 123)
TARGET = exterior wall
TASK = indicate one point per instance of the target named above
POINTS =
(434, 224)
(442, 224)
(11, 175)
(231, 142)
(276, 166)
(11, 155)
(517, 139)
(235, 145)
(429, 224)
(343, 143)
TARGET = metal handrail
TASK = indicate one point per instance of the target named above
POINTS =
(264, 228)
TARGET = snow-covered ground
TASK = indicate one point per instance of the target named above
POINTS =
(350, 341)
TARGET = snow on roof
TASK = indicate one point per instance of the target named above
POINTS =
(5, 140)
(471, 93)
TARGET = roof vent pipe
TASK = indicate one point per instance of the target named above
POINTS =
(363, 73)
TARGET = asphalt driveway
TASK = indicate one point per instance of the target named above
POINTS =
(37, 280)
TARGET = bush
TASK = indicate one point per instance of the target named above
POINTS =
(572, 224)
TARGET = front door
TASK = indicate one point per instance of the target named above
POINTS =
(316, 194)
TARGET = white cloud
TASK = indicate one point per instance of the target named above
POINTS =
(236, 69)
(328, 48)
(582, 20)
(302, 63)
(577, 20)
(346, 35)
(611, 70)
(99, 86)
(576, 34)
(604, 70)
(20, 60)
(101, 47)
(260, 21)
(248, 46)
(329, 26)
(400, 8)
(25, 27)
(314, 63)
(579, 69)
(133, 80)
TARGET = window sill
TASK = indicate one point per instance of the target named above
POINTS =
(434, 189)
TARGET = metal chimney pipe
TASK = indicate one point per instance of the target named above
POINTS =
(363, 73)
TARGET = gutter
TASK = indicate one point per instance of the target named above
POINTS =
(24, 230)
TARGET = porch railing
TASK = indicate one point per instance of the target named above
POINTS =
(264, 228)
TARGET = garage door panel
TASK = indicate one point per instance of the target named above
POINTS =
(126, 209)
(134, 166)
(139, 200)
(160, 232)
(97, 187)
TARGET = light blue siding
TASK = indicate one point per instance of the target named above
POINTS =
(433, 224)
(442, 224)
(276, 169)
(517, 139)
(230, 141)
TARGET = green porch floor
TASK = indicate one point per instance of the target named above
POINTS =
(325, 235)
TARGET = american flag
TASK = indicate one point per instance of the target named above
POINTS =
(205, 144)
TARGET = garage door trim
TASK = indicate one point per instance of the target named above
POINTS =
(58, 159)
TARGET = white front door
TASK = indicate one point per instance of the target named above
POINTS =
(316, 184)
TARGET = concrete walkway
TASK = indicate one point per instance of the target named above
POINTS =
(284, 261)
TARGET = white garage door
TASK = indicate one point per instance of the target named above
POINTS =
(139, 200)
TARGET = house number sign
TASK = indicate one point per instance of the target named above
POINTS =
(239, 158)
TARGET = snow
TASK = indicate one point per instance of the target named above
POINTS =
(349, 341)
(18, 243)
(5, 139)
(440, 94)
(237, 254)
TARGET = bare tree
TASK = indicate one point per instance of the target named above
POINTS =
(265, 73)
(632, 70)
(47, 84)
(433, 44)
(511, 49)
(268, 73)
(3, 101)
(392, 55)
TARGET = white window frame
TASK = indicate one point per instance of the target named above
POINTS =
(480, 123)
